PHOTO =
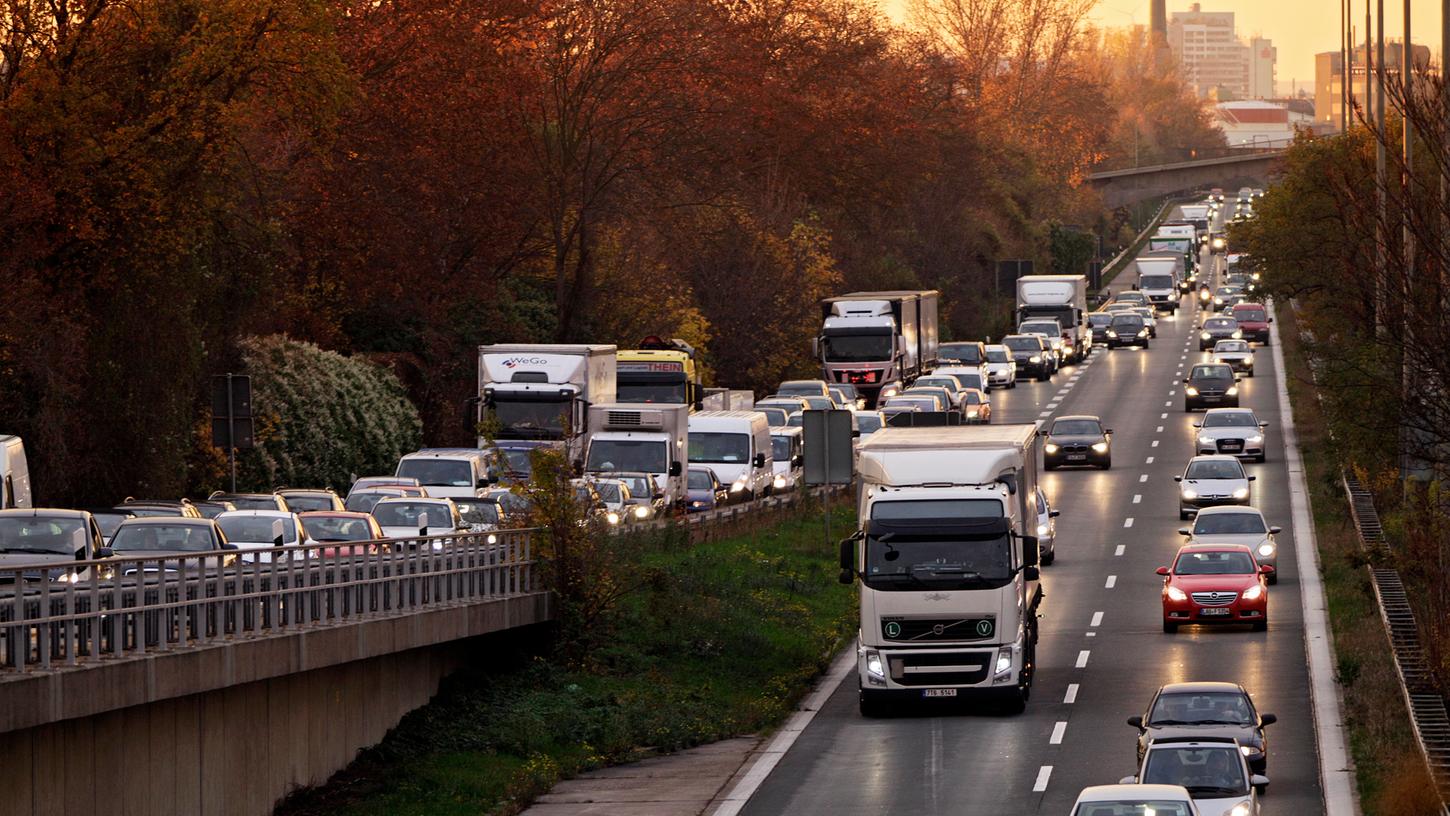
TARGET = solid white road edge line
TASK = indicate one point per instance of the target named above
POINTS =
(1336, 773)
(766, 760)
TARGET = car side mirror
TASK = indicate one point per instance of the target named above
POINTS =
(1238, 379)
(1185, 379)
(1162, 571)
(1270, 320)
(855, 434)
(105, 552)
(1177, 478)
(798, 460)
(1108, 432)
(1253, 478)
(1128, 780)
(1275, 530)
(1031, 574)
(1198, 425)
(1053, 513)
(1136, 722)
(1259, 781)
(483, 481)
(230, 547)
(1267, 719)
(676, 468)
(1267, 569)
(1184, 531)
(1263, 425)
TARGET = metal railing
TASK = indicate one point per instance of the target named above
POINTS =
(79, 612)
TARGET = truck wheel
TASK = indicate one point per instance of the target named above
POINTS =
(1015, 701)
(874, 705)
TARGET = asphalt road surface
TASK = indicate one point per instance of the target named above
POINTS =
(1102, 652)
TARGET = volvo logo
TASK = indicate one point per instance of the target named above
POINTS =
(984, 628)
(938, 629)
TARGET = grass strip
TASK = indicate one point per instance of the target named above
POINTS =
(715, 640)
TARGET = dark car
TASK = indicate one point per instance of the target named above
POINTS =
(43, 543)
(962, 353)
(1032, 353)
(1206, 710)
(159, 508)
(164, 538)
(211, 509)
(108, 519)
(1215, 329)
(1253, 320)
(1210, 385)
(332, 527)
(252, 501)
(704, 490)
(1127, 329)
(1099, 322)
(1078, 440)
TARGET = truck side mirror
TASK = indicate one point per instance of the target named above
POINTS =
(760, 460)
(798, 460)
(676, 468)
(848, 560)
(1030, 551)
(816, 348)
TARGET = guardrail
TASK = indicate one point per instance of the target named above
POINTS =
(1428, 717)
(80, 612)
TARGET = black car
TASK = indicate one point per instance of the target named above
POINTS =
(1210, 385)
(962, 353)
(1078, 440)
(1206, 710)
(1127, 329)
(1032, 353)
(1215, 329)
(1099, 322)
(159, 508)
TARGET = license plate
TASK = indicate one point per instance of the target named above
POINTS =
(938, 692)
(1232, 446)
(1215, 612)
(1074, 457)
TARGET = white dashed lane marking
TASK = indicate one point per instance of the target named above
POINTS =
(1043, 774)
(1071, 696)
(1120, 550)
(1143, 478)
(1150, 461)
(1137, 498)
(1128, 522)
(1111, 582)
(1058, 729)
(1082, 658)
(1097, 619)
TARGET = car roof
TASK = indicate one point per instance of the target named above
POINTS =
(1203, 741)
(333, 514)
(1214, 457)
(321, 491)
(786, 430)
(1104, 793)
(1213, 548)
(1228, 411)
(165, 521)
(258, 513)
(33, 512)
(1225, 509)
(428, 499)
(1079, 416)
(1202, 687)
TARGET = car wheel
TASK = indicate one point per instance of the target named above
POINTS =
(1145, 344)
(1261, 625)
(1274, 579)
(1108, 464)
(1015, 701)
(1044, 376)
(1170, 628)
(874, 705)
(1048, 466)
(1048, 557)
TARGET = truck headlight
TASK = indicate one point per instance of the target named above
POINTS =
(1100, 447)
(875, 666)
(779, 481)
(1176, 594)
(737, 486)
(1050, 447)
(1241, 493)
(1004, 660)
(1266, 549)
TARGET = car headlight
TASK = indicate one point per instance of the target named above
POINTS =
(1241, 493)
(1237, 335)
(779, 481)
(1241, 809)
(1143, 332)
(1204, 335)
(1100, 447)
(1112, 333)
(1042, 529)
(1253, 593)
(697, 504)
(1205, 440)
(972, 413)
(1247, 750)
(1004, 660)
(69, 578)
(1176, 594)
(1256, 276)
(1191, 391)
(1051, 447)
(874, 664)
(1266, 549)
(1190, 493)
(738, 486)
(1218, 301)
(1233, 391)
(1036, 358)
(1256, 439)
(612, 517)
(641, 512)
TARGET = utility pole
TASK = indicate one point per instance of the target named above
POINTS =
(1368, 64)
(1381, 171)
(1344, 64)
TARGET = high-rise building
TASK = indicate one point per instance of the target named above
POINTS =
(1215, 61)
(1329, 79)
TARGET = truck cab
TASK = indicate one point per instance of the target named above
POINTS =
(626, 438)
(736, 445)
(877, 341)
(659, 371)
(543, 392)
(1062, 298)
(947, 564)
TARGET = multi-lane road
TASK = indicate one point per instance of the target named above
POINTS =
(1102, 652)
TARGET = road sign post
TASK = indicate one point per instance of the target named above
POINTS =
(231, 417)
(826, 436)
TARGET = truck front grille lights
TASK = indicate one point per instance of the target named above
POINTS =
(875, 666)
(1002, 672)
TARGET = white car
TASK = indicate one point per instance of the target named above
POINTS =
(1237, 525)
(412, 517)
(260, 533)
(1238, 354)
(1001, 368)
(1232, 431)
(1150, 319)
(616, 497)
(1210, 481)
(1211, 769)
(1046, 529)
(788, 458)
(1136, 800)
(951, 384)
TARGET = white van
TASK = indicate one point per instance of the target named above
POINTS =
(447, 473)
(787, 452)
(14, 474)
(736, 446)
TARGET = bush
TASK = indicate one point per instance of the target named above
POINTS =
(322, 417)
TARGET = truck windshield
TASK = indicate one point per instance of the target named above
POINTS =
(669, 393)
(935, 558)
(719, 447)
(857, 347)
(1156, 282)
(530, 419)
(643, 456)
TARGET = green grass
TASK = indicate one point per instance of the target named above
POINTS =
(1389, 772)
(715, 640)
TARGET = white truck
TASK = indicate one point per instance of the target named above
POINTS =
(14, 474)
(1062, 298)
(544, 391)
(634, 438)
(947, 561)
(1160, 278)
(736, 446)
(1180, 237)
(879, 342)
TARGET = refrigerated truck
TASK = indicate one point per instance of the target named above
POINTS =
(631, 438)
(879, 342)
(544, 392)
(946, 561)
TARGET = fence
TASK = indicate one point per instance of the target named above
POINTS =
(81, 612)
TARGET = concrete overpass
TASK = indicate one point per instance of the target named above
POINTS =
(1120, 188)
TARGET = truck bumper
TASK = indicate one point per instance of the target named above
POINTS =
(938, 674)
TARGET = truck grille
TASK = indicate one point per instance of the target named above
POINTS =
(951, 669)
(928, 629)
(1218, 598)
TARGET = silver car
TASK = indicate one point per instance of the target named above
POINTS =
(1231, 431)
(1237, 525)
(1210, 481)
(1238, 354)
(1212, 769)
(1001, 368)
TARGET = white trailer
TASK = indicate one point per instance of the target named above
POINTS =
(544, 392)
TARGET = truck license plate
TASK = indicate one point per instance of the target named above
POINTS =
(1215, 611)
(938, 692)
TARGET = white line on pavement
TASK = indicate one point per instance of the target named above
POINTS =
(1137, 498)
(1128, 522)
(1172, 391)
(1150, 461)
(1155, 443)
(1167, 405)
(1143, 478)
(1043, 774)
(1045, 414)
(1058, 729)
(1160, 429)
(1082, 658)
(1111, 582)
(1162, 416)
(1097, 619)
(1120, 550)
(1071, 696)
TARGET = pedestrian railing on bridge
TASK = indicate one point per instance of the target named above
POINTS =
(79, 613)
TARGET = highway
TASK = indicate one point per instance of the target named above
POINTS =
(1102, 652)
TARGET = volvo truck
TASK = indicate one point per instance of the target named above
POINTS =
(879, 342)
(1062, 298)
(658, 371)
(629, 438)
(946, 558)
(544, 392)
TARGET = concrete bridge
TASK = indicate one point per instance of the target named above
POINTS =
(1128, 186)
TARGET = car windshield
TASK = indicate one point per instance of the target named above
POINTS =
(973, 396)
(1211, 372)
(1220, 323)
(868, 423)
(1228, 523)
(1251, 315)
(479, 512)
(407, 513)
(1214, 469)
(796, 420)
(1231, 345)
(608, 491)
(40, 534)
(856, 348)
(308, 502)
(170, 512)
(1099, 319)
(963, 379)
(1230, 420)
(774, 417)
(951, 383)
(998, 355)
(1077, 427)
(163, 538)
(365, 501)
(1214, 562)
(1021, 343)
(438, 472)
(1207, 772)
(1126, 321)
(332, 528)
(730, 448)
(108, 522)
(1047, 327)
(255, 529)
(1214, 708)
(802, 389)
(700, 480)
(608, 455)
(911, 403)
(519, 461)
(1132, 807)
(780, 448)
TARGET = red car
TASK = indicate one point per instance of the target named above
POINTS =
(1215, 583)
(1253, 321)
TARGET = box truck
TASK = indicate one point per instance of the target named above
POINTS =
(1062, 298)
(658, 371)
(878, 341)
(629, 438)
(544, 392)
